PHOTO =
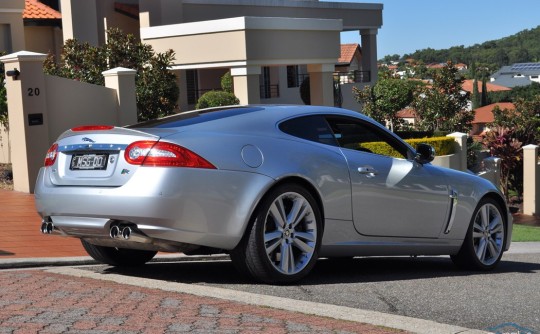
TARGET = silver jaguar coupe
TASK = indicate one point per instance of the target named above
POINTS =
(276, 187)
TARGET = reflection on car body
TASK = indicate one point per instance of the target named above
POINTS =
(276, 187)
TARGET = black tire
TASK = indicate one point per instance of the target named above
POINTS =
(120, 257)
(486, 236)
(299, 237)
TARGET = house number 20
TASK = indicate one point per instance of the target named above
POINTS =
(33, 91)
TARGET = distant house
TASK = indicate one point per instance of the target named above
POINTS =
(436, 65)
(408, 115)
(468, 86)
(484, 115)
(461, 66)
(42, 27)
(349, 65)
(519, 74)
(350, 58)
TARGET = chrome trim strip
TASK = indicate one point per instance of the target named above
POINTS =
(92, 147)
(453, 203)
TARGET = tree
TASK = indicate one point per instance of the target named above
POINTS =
(382, 101)
(511, 130)
(227, 82)
(156, 89)
(503, 144)
(484, 96)
(442, 106)
(475, 98)
(524, 120)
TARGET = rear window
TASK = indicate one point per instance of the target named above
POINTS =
(190, 118)
(313, 128)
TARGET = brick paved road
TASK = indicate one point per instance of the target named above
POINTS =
(35, 301)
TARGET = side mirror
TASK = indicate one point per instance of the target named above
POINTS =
(424, 153)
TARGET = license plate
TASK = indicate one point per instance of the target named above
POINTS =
(89, 162)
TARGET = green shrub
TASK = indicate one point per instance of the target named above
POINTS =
(156, 88)
(216, 98)
(227, 82)
(442, 145)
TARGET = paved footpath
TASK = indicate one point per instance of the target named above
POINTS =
(37, 301)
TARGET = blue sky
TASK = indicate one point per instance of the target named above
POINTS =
(410, 25)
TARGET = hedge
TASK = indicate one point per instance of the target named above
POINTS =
(442, 145)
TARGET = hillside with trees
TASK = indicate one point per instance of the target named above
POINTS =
(518, 48)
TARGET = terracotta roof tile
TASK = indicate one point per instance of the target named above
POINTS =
(34, 9)
(468, 86)
(406, 113)
(485, 114)
(347, 53)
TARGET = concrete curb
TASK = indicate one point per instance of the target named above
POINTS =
(319, 309)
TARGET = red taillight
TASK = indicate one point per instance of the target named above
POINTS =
(51, 155)
(93, 127)
(162, 154)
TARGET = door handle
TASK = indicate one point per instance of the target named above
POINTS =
(368, 171)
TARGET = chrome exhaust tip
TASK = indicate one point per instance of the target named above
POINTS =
(114, 232)
(126, 232)
(47, 227)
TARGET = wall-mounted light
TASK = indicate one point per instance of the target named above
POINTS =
(13, 73)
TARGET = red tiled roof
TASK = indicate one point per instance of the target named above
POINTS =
(33, 9)
(406, 113)
(468, 86)
(485, 114)
(435, 65)
(347, 53)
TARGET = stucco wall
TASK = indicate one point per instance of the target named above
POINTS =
(348, 97)
(43, 39)
(11, 25)
(72, 103)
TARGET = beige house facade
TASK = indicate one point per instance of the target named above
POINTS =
(270, 47)
(11, 26)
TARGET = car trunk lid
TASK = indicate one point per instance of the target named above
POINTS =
(95, 157)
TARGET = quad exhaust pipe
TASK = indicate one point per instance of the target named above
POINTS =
(47, 227)
(127, 233)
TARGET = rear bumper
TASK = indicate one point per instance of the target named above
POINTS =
(193, 206)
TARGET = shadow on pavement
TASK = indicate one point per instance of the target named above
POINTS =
(334, 271)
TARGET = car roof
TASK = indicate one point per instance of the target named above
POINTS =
(265, 113)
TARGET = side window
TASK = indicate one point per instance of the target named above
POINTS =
(362, 136)
(313, 128)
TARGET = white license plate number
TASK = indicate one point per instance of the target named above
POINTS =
(89, 162)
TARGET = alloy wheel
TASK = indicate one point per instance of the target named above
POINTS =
(488, 234)
(290, 233)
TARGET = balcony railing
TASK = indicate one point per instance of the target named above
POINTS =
(352, 77)
(269, 91)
